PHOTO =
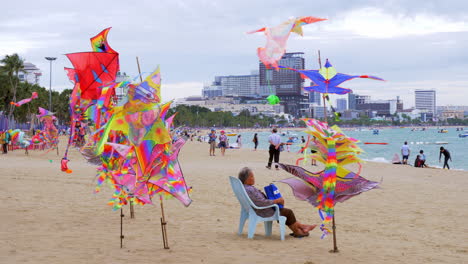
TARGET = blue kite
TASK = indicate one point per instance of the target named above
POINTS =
(326, 80)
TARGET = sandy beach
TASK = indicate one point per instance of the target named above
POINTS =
(418, 216)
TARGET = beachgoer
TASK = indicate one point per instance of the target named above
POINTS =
(417, 161)
(447, 157)
(222, 142)
(396, 159)
(239, 141)
(212, 142)
(422, 159)
(289, 143)
(255, 141)
(313, 162)
(246, 176)
(275, 142)
(405, 152)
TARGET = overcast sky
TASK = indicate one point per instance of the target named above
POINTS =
(418, 44)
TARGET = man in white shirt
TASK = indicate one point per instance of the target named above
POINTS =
(405, 152)
(275, 142)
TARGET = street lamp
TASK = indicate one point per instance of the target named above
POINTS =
(50, 85)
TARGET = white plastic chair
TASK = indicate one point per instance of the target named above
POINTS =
(248, 212)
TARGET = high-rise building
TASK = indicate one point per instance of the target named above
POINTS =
(425, 100)
(351, 101)
(315, 97)
(233, 85)
(288, 85)
(341, 104)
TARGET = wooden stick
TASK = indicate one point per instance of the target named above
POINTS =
(335, 247)
(139, 71)
(132, 212)
(163, 225)
(121, 227)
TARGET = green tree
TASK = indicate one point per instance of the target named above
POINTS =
(12, 66)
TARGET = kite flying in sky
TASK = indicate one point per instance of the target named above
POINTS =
(326, 80)
(27, 100)
(278, 36)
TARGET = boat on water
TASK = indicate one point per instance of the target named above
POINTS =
(441, 142)
(463, 135)
(231, 134)
(443, 131)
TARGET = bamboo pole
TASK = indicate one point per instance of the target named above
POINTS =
(335, 247)
(121, 227)
(163, 225)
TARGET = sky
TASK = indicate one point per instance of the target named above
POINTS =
(418, 44)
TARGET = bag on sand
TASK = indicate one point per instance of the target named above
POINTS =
(273, 193)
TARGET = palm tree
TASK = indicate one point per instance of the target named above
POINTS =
(12, 66)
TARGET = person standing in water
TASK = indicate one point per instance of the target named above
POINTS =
(255, 141)
(239, 141)
(447, 157)
(405, 152)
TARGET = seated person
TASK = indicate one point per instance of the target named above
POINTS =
(417, 161)
(422, 159)
(246, 176)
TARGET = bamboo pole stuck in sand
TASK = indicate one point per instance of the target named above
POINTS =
(335, 247)
(163, 225)
(121, 227)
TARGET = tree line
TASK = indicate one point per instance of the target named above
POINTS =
(13, 90)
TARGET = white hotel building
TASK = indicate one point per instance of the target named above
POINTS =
(426, 100)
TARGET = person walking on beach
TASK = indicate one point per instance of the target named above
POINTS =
(255, 141)
(239, 141)
(313, 150)
(405, 152)
(246, 176)
(212, 142)
(289, 143)
(303, 143)
(275, 142)
(447, 157)
(222, 142)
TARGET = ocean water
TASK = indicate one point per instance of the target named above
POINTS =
(395, 137)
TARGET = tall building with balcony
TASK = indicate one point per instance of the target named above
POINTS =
(425, 100)
(286, 84)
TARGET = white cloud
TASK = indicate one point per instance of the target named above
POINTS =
(373, 22)
(178, 90)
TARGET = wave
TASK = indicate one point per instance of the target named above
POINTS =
(379, 159)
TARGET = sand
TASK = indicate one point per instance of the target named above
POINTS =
(47, 216)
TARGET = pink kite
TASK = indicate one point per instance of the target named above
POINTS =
(278, 36)
(27, 100)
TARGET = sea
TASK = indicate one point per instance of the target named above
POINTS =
(429, 141)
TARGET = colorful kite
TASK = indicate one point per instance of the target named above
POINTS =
(326, 80)
(24, 101)
(278, 36)
(99, 42)
(336, 183)
(93, 70)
